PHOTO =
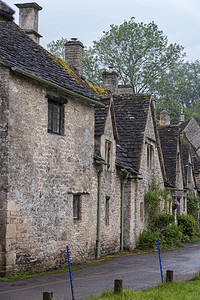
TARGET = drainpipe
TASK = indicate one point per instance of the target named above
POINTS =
(123, 182)
(98, 241)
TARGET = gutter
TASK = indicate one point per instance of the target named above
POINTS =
(54, 85)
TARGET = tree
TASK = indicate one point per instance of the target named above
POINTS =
(138, 52)
(179, 87)
(57, 48)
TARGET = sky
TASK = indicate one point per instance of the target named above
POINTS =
(87, 19)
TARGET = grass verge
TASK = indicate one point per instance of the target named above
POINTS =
(173, 291)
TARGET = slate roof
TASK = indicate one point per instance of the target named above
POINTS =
(131, 115)
(19, 50)
(185, 152)
(123, 160)
(169, 137)
(101, 114)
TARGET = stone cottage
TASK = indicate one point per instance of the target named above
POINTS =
(48, 186)
(62, 178)
(76, 159)
(178, 154)
(139, 140)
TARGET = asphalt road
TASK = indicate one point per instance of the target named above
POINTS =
(136, 270)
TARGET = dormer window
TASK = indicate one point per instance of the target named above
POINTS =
(150, 156)
(108, 147)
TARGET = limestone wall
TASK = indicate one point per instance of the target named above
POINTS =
(4, 115)
(45, 170)
(147, 174)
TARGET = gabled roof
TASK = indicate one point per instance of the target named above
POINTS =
(131, 116)
(185, 154)
(19, 51)
(124, 161)
(192, 130)
(169, 138)
(101, 114)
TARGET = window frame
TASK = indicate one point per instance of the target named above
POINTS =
(150, 156)
(76, 207)
(108, 154)
(51, 117)
(55, 101)
(107, 210)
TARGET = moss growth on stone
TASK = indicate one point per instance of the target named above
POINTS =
(160, 123)
(66, 67)
(98, 90)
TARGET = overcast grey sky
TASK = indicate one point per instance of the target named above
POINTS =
(87, 19)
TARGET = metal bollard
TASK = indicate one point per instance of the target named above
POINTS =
(118, 286)
(169, 276)
(48, 296)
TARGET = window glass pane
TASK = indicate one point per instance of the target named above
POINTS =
(76, 207)
(54, 117)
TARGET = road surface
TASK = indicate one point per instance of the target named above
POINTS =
(136, 270)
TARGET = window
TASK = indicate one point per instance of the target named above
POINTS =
(184, 204)
(76, 207)
(107, 208)
(56, 113)
(108, 146)
(189, 172)
(141, 211)
(150, 156)
(54, 117)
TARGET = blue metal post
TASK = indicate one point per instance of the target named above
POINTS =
(70, 273)
(161, 272)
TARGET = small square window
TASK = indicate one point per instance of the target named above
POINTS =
(55, 114)
(76, 207)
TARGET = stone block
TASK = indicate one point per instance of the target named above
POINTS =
(11, 231)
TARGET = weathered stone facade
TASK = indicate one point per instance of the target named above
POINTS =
(44, 171)
(75, 167)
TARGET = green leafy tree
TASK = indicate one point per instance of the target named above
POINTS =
(138, 52)
(179, 87)
(57, 48)
(92, 69)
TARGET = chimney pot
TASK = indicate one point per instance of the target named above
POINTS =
(74, 55)
(28, 19)
(110, 81)
(181, 117)
(165, 117)
(6, 13)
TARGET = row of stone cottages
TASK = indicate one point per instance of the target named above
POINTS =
(76, 159)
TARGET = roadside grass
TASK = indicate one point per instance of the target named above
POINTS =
(173, 291)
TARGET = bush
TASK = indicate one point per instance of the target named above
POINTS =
(187, 224)
(148, 240)
(161, 221)
(172, 235)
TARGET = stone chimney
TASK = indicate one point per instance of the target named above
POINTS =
(74, 55)
(110, 81)
(6, 13)
(181, 117)
(124, 89)
(165, 117)
(28, 19)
